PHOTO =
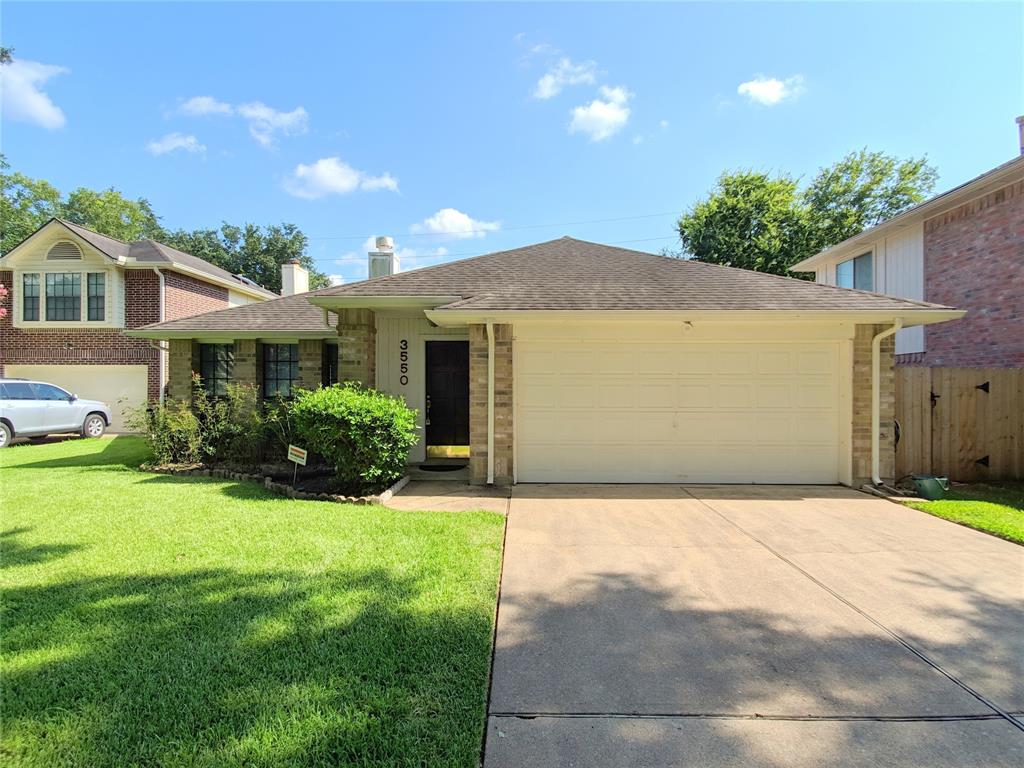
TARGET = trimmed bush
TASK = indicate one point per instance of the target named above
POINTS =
(366, 435)
(172, 431)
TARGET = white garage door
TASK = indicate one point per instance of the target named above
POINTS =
(120, 386)
(731, 412)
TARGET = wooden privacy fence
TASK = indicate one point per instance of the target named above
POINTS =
(963, 423)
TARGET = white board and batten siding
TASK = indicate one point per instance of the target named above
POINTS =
(668, 404)
(399, 333)
(902, 274)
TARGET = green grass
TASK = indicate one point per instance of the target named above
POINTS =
(162, 621)
(997, 508)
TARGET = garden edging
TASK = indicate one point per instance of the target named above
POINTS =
(281, 489)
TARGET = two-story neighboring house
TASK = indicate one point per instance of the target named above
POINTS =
(73, 293)
(963, 248)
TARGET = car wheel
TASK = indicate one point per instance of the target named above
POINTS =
(5, 435)
(94, 426)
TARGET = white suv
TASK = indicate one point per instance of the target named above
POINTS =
(35, 408)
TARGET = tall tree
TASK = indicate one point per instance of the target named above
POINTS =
(750, 220)
(112, 214)
(863, 189)
(756, 221)
(25, 205)
(250, 250)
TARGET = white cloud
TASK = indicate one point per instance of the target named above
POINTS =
(769, 91)
(205, 105)
(265, 122)
(173, 141)
(638, 139)
(22, 97)
(564, 73)
(333, 176)
(336, 279)
(449, 222)
(664, 125)
(603, 117)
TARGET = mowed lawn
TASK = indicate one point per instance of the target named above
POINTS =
(151, 620)
(996, 508)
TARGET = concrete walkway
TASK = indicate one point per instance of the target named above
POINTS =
(755, 626)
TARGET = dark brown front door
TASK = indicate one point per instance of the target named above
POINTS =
(447, 393)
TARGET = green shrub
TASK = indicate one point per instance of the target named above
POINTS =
(172, 431)
(280, 428)
(231, 426)
(365, 434)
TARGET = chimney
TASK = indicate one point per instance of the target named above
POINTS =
(1020, 133)
(294, 278)
(383, 260)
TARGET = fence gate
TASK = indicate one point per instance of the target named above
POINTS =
(963, 423)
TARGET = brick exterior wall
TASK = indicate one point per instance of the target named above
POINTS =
(310, 363)
(109, 346)
(357, 336)
(89, 346)
(185, 296)
(502, 404)
(179, 364)
(974, 260)
(862, 406)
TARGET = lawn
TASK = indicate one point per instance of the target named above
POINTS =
(155, 620)
(997, 508)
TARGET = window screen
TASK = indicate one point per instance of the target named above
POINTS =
(280, 369)
(97, 290)
(63, 296)
(30, 297)
(216, 362)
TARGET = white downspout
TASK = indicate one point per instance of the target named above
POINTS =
(876, 398)
(490, 403)
(162, 356)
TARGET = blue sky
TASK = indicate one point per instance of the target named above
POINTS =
(424, 121)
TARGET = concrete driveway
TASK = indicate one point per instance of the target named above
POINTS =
(752, 625)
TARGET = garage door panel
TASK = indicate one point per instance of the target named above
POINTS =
(677, 412)
(122, 387)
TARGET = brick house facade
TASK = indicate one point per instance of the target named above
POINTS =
(137, 284)
(974, 259)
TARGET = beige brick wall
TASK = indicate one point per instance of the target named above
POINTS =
(310, 363)
(357, 335)
(246, 369)
(502, 404)
(179, 374)
(862, 406)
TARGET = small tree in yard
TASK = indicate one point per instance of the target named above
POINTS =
(365, 434)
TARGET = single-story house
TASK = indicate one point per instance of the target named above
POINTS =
(73, 293)
(571, 361)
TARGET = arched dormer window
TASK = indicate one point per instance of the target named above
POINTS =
(65, 250)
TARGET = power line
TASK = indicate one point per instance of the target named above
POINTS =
(468, 254)
(503, 229)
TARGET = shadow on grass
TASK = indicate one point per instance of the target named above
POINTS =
(14, 552)
(122, 451)
(236, 489)
(217, 667)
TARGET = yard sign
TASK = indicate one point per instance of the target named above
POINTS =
(296, 454)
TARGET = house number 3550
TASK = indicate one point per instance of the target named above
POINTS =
(403, 362)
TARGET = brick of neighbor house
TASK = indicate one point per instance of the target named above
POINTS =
(357, 337)
(502, 404)
(861, 445)
(310, 363)
(974, 260)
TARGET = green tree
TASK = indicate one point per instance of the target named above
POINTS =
(250, 250)
(112, 214)
(756, 221)
(750, 220)
(25, 205)
(6, 54)
(864, 189)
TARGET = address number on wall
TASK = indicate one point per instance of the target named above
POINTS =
(403, 362)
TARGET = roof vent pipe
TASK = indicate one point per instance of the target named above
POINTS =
(383, 260)
(1020, 133)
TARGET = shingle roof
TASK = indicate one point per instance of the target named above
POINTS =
(152, 252)
(285, 313)
(570, 274)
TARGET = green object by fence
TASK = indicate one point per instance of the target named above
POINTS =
(931, 488)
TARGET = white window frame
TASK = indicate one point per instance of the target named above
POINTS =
(874, 264)
(83, 273)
